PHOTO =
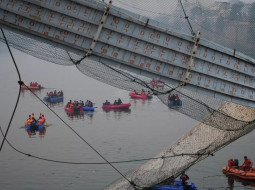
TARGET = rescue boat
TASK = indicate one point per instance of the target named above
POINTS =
(32, 87)
(139, 96)
(249, 175)
(157, 83)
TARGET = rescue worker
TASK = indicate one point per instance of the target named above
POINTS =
(29, 124)
(231, 163)
(247, 164)
(40, 124)
(143, 92)
(184, 178)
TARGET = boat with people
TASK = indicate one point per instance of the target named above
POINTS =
(143, 95)
(174, 100)
(54, 96)
(32, 86)
(176, 185)
(156, 83)
(120, 106)
(73, 109)
(237, 172)
(53, 99)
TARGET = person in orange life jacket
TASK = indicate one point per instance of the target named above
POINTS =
(43, 118)
(28, 124)
(231, 163)
(184, 178)
(40, 124)
(134, 92)
(143, 93)
(247, 164)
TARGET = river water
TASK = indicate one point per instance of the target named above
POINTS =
(140, 133)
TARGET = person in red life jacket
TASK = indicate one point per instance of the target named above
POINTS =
(247, 164)
(231, 163)
(134, 92)
(184, 179)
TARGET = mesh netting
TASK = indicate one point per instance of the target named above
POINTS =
(220, 122)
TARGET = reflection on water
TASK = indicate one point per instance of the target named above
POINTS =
(35, 132)
(75, 115)
(232, 179)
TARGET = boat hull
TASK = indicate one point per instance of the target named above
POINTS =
(248, 175)
(139, 96)
(32, 87)
(177, 185)
(86, 108)
(112, 106)
(53, 100)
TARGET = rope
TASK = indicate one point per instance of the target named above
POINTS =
(20, 83)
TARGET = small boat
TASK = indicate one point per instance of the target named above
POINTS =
(87, 108)
(120, 106)
(72, 110)
(157, 83)
(175, 103)
(53, 99)
(139, 96)
(32, 87)
(249, 175)
(177, 185)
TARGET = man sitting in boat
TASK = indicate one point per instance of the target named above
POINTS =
(107, 102)
(119, 101)
(247, 164)
(134, 92)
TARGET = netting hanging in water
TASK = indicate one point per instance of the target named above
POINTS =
(220, 123)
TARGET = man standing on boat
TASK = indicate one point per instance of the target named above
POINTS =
(184, 178)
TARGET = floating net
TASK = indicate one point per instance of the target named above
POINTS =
(220, 123)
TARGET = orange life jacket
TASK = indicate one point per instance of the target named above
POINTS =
(28, 121)
(40, 121)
